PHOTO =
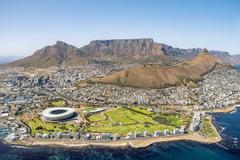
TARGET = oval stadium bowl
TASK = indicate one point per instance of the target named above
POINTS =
(57, 113)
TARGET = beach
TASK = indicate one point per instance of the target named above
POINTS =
(222, 110)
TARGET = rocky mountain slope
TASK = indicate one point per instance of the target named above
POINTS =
(143, 50)
(156, 76)
(123, 47)
(111, 51)
(184, 54)
(55, 55)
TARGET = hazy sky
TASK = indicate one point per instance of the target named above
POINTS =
(27, 25)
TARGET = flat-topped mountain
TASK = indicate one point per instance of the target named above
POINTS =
(127, 51)
(143, 50)
(123, 47)
(144, 47)
(156, 76)
(114, 51)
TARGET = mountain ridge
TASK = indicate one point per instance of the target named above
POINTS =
(58, 54)
(156, 76)
(142, 50)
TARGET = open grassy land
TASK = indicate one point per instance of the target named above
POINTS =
(96, 118)
(59, 103)
(124, 120)
(39, 126)
(207, 129)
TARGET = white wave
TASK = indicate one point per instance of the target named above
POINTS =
(223, 128)
(233, 111)
(21, 147)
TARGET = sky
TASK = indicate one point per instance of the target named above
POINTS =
(28, 25)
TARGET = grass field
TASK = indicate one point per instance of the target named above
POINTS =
(95, 118)
(39, 126)
(124, 120)
(60, 103)
(207, 129)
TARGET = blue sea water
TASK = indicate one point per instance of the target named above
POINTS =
(237, 66)
(229, 148)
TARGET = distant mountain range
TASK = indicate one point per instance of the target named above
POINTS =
(8, 59)
(236, 59)
(112, 51)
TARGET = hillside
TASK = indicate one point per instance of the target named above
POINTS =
(123, 47)
(156, 76)
(55, 55)
(143, 50)
(125, 51)
(186, 54)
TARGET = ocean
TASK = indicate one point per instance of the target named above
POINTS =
(229, 148)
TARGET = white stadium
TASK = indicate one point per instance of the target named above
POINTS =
(58, 113)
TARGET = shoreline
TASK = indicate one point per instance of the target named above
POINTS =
(222, 110)
(134, 143)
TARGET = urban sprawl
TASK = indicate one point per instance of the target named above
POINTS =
(22, 91)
